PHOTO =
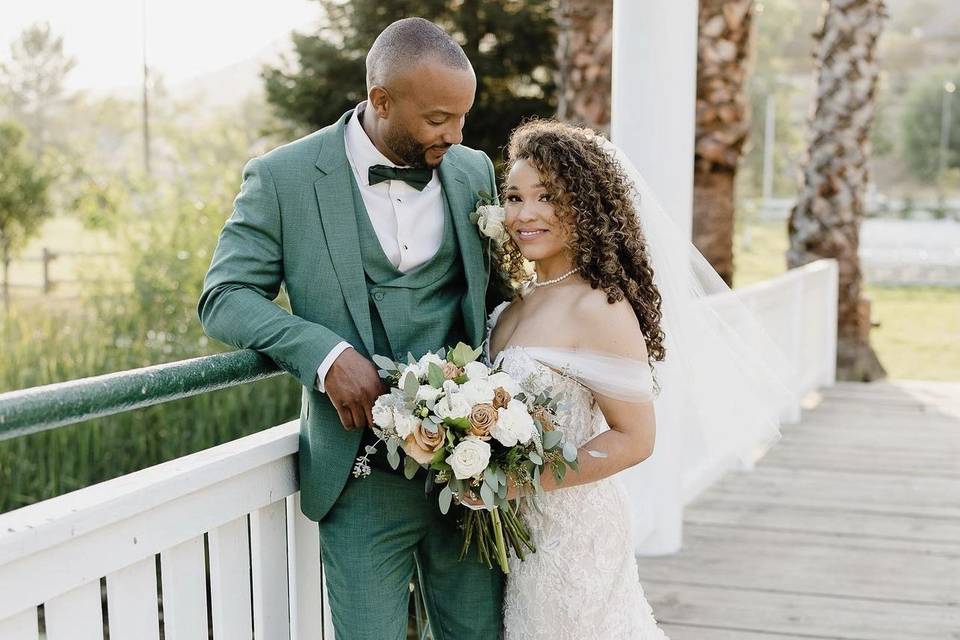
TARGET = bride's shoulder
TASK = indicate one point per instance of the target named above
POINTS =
(608, 327)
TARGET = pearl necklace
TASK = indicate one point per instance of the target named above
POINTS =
(537, 285)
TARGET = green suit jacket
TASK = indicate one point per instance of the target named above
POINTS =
(295, 223)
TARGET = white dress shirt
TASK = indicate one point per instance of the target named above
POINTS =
(408, 223)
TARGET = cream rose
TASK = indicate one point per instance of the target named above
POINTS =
(421, 444)
(514, 424)
(469, 458)
(482, 419)
(476, 370)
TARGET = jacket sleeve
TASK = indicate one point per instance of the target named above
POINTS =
(246, 271)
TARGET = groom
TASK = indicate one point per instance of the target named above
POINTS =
(366, 224)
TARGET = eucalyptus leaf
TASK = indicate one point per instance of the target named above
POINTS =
(491, 478)
(410, 386)
(392, 444)
(435, 375)
(410, 358)
(502, 491)
(569, 452)
(551, 439)
(370, 449)
(410, 467)
(446, 497)
(384, 363)
(393, 457)
(535, 457)
(486, 494)
(442, 353)
(486, 196)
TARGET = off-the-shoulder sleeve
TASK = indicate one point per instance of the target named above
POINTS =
(612, 376)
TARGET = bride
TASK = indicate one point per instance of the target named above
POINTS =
(588, 326)
(619, 305)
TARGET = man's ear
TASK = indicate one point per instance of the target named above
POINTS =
(379, 99)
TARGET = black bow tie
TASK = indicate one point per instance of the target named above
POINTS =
(416, 178)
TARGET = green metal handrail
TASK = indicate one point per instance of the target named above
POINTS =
(55, 405)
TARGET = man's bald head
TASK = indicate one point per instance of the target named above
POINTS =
(407, 42)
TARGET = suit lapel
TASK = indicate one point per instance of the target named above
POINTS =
(460, 199)
(338, 215)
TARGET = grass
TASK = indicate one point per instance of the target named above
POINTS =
(919, 333)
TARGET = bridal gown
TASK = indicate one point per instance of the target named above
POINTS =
(582, 582)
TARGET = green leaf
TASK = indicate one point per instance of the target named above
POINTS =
(392, 444)
(446, 497)
(486, 494)
(485, 196)
(410, 358)
(535, 457)
(569, 452)
(410, 467)
(384, 363)
(461, 424)
(491, 478)
(393, 457)
(435, 375)
(370, 449)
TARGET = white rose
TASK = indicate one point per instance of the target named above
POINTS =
(476, 370)
(514, 424)
(478, 391)
(502, 379)
(469, 458)
(425, 361)
(404, 423)
(428, 393)
(452, 405)
(490, 220)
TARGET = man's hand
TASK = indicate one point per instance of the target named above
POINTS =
(353, 384)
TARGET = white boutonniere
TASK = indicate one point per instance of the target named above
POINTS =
(489, 218)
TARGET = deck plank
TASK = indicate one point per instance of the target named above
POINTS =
(848, 529)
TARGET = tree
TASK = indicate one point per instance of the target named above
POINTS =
(23, 197)
(922, 123)
(509, 42)
(34, 80)
(584, 62)
(723, 123)
(825, 221)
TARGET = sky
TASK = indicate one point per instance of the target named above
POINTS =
(185, 38)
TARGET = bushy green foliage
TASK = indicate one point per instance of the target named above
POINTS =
(510, 43)
(921, 122)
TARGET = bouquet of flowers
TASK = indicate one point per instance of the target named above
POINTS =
(477, 433)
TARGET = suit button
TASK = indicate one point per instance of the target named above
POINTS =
(378, 295)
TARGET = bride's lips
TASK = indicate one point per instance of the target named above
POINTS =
(529, 235)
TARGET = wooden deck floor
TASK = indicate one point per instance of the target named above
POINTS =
(849, 528)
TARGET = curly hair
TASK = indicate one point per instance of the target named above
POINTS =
(593, 199)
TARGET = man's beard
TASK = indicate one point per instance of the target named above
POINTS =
(410, 152)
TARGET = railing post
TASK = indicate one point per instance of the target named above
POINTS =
(48, 256)
(832, 275)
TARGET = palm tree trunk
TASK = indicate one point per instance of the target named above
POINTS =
(584, 61)
(723, 122)
(825, 222)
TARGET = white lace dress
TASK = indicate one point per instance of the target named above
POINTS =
(582, 582)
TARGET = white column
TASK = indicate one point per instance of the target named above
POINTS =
(654, 95)
(653, 120)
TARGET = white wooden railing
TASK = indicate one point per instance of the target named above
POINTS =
(232, 513)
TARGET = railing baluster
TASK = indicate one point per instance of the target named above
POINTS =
(268, 544)
(303, 542)
(230, 581)
(132, 602)
(76, 615)
(184, 591)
